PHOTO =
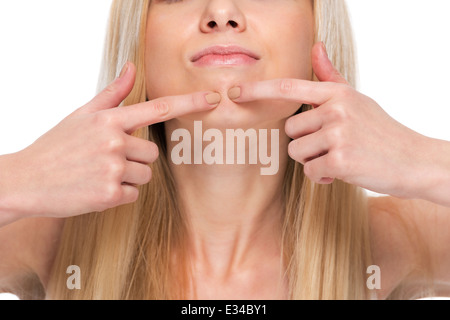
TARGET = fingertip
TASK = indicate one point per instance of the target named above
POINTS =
(124, 70)
(234, 93)
(119, 89)
(319, 50)
(125, 82)
(127, 77)
(213, 99)
(323, 50)
(289, 128)
(323, 66)
(320, 55)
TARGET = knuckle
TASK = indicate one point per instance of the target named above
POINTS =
(110, 90)
(335, 136)
(335, 159)
(337, 162)
(345, 92)
(161, 107)
(116, 169)
(337, 113)
(112, 195)
(116, 144)
(287, 86)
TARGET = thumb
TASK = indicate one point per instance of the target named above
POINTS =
(322, 66)
(113, 95)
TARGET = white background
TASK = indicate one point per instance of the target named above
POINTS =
(51, 50)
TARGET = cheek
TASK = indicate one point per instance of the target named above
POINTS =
(162, 61)
(292, 56)
(157, 71)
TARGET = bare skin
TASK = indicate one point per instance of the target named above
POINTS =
(29, 246)
(233, 211)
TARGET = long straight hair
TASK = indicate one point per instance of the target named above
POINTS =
(136, 251)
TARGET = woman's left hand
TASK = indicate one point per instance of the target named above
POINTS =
(347, 136)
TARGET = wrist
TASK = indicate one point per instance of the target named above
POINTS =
(432, 176)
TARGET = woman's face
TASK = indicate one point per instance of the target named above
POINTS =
(245, 41)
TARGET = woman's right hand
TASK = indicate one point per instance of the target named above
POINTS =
(90, 162)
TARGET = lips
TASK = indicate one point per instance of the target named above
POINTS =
(224, 56)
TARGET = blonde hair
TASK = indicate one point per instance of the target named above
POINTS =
(130, 252)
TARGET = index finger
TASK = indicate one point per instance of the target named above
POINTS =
(295, 90)
(167, 108)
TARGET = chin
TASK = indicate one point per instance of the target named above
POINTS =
(229, 115)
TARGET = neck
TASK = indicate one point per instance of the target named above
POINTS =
(233, 211)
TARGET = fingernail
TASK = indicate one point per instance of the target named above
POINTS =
(124, 70)
(234, 93)
(213, 99)
(325, 50)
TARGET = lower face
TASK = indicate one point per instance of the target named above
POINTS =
(279, 32)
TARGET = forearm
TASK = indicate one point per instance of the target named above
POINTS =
(433, 178)
(10, 200)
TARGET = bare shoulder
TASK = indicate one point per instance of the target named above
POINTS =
(27, 251)
(410, 243)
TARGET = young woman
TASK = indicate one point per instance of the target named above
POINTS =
(119, 190)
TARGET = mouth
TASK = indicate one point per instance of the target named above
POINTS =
(222, 56)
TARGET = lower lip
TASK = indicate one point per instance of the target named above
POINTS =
(211, 60)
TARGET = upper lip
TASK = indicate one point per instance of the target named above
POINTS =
(224, 50)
